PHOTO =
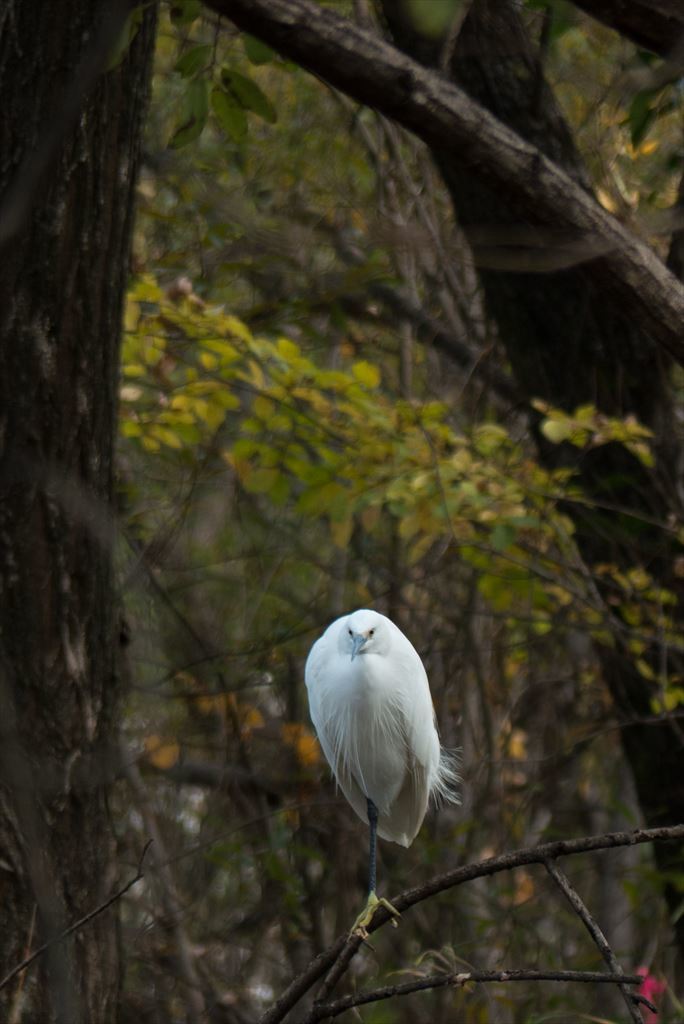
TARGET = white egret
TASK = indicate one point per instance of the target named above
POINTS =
(370, 703)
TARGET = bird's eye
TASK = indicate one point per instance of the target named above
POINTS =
(350, 632)
(370, 632)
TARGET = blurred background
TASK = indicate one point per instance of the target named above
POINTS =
(318, 413)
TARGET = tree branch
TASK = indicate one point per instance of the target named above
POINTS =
(86, 919)
(322, 1011)
(336, 959)
(374, 73)
(657, 25)
(580, 908)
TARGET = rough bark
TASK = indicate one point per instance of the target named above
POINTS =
(657, 25)
(62, 279)
(371, 71)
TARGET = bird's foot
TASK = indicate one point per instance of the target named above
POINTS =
(360, 928)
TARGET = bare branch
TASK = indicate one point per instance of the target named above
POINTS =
(367, 68)
(82, 921)
(580, 908)
(337, 958)
(322, 1011)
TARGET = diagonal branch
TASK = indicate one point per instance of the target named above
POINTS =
(580, 908)
(375, 73)
(657, 25)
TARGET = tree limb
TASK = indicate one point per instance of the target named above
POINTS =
(657, 25)
(582, 911)
(322, 1011)
(376, 74)
(345, 948)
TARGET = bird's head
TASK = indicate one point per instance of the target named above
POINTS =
(364, 633)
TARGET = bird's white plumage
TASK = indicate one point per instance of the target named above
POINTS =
(370, 703)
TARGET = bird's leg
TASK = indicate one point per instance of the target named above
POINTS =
(365, 918)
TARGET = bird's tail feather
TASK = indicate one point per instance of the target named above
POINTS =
(444, 788)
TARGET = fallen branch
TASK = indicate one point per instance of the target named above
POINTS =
(77, 925)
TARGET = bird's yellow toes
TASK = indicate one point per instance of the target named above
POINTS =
(366, 916)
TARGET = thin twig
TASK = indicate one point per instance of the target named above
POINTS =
(86, 919)
(582, 911)
(457, 978)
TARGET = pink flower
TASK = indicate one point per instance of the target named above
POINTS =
(652, 988)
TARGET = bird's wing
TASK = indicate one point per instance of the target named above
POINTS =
(411, 679)
(440, 766)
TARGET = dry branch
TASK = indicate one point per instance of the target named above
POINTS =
(582, 911)
(373, 72)
(335, 960)
(323, 1011)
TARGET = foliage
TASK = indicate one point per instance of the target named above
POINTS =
(290, 450)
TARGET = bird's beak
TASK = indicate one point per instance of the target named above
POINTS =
(357, 644)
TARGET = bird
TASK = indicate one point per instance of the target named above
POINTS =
(370, 703)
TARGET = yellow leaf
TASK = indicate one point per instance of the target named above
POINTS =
(250, 719)
(287, 349)
(208, 360)
(160, 752)
(129, 428)
(606, 201)
(132, 315)
(366, 373)
(517, 745)
(166, 436)
(555, 431)
(263, 407)
(302, 741)
(237, 328)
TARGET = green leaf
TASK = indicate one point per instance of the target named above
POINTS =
(432, 17)
(257, 52)
(248, 94)
(229, 114)
(126, 37)
(195, 110)
(502, 536)
(193, 60)
(261, 481)
(641, 116)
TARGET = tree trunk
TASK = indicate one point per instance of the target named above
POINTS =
(569, 342)
(69, 137)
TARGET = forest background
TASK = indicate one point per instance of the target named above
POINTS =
(402, 328)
